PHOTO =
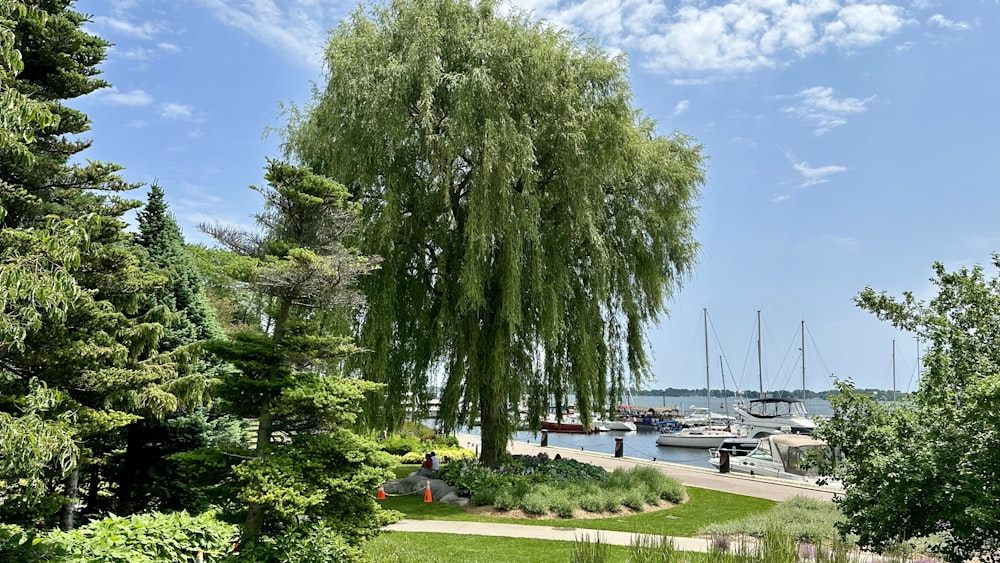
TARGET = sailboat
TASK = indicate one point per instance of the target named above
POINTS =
(696, 436)
(770, 415)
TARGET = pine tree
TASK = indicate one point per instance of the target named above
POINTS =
(288, 369)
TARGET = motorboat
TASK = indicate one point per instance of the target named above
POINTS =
(692, 437)
(782, 456)
(703, 416)
(778, 413)
(616, 425)
(569, 424)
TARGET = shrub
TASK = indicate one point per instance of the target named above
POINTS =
(634, 499)
(400, 444)
(145, 538)
(536, 502)
(18, 545)
(563, 507)
(306, 544)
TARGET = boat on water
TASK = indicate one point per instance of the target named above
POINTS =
(621, 425)
(570, 424)
(776, 414)
(694, 433)
(781, 456)
(693, 437)
(703, 416)
(768, 415)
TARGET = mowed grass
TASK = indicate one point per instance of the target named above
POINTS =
(420, 547)
(703, 508)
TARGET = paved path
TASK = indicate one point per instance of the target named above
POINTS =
(543, 533)
(688, 475)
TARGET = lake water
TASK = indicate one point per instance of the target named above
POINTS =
(642, 443)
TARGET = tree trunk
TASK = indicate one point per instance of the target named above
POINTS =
(255, 512)
(72, 494)
(494, 425)
(131, 468)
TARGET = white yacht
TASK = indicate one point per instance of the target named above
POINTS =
(776, 413)
(782, 456)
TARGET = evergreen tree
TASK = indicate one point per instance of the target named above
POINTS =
(287, 369)
(73, 278)
(141, 473)
(533, 223)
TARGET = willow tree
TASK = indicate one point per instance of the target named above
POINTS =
(532, 222)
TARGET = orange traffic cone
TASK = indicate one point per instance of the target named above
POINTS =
(381, 493)
(427, 493)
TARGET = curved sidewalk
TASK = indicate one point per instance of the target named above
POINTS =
(772, 489)
(542, 533)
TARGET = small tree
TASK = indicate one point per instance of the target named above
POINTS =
(930, 465)
(306, 461)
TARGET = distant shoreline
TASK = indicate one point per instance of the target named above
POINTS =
(878, 394)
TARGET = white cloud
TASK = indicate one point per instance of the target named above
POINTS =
(813, 176)
(845, 242)
(681, 107)
(944, 23)
(726, 36)
(168, 47)
(144, 30)
(131, 98)
(298, 27)
(819, 106)
(176, 111)
(689, 36)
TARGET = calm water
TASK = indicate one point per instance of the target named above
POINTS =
(642, 443)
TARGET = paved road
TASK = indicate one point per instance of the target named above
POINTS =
(693, 476)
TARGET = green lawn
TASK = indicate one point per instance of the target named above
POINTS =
(685, 520)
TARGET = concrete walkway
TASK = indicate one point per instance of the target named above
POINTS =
(760, 487)
(543, 533)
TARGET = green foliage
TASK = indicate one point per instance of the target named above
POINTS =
(503, 175)
(309, 543)
(929, 465)
(145, 538)
(327, 476)
(803, 519)
(538, 485)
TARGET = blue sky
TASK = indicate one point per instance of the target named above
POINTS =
(850, 143)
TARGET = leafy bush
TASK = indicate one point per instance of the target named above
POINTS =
(400, 444)
(305, 544)
(18, 545)
(538, 485)
(804, 519)
(144, 538)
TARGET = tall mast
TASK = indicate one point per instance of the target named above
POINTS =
(894, 371)
(760, 369)
(803, 360)
(708, 384)
(722, 373)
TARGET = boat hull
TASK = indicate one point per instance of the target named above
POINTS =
(689, 438)
(568, 427)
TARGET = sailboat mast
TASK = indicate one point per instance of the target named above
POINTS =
(894, 371)
(708, 383)
(803, 360)
(760, 369)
